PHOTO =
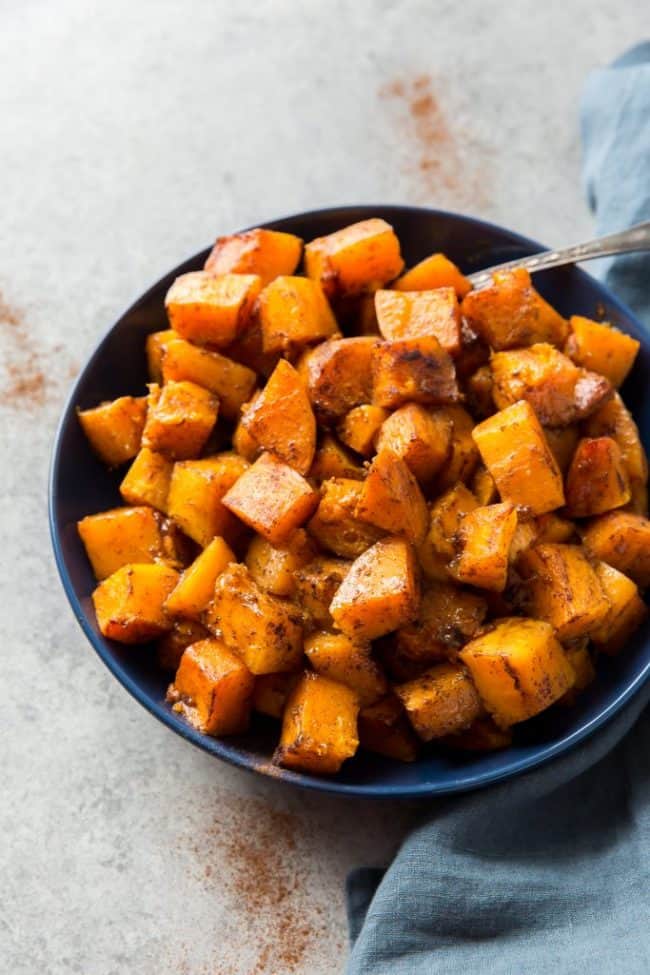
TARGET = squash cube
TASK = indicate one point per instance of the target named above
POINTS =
(357, 259)
(332, 460)
(273, 567)
(597, 480)
(484, 539)
(266, 253)
(319, 728)
(119, 536)
(130, 603)
(391, 499)
(360, 427)
(463, 456)
(212, 689)
(601, 348)
(172, 645)
(627, 611)
(281, 419)
(336, 526)
(447, 618)
(615, 420)
(315, 588)
(293, 313)
(156, 346)
(196, 493)
(622, 540)
(563, 442)
(338, 374)
(230, 381)
(211, 309)
(483, 487)
(519, 669)
(384, 729)
(416, 370)
(348, 661)
(438, 548)
(441, 701)
(271, 692)
(114, 430)
(195, 587)
(147, 480)
(180, 418)
(405, 315)
(436, 271)
(421, 437)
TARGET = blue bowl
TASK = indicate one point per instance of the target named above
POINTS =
(80, 485)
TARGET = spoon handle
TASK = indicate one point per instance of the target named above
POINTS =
(636, 238)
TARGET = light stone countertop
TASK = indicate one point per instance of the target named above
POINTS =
(131, 133)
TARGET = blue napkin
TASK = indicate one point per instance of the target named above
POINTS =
(550, 872)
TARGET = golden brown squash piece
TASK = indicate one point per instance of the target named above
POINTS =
(601, 348)
(195, 500)
(281, 419)
(129, 604)
(147, 480)
(563, 442)
(511, 313)
(180, 418)
(271, 692)
(627, 610)
(195, 587)
(391, 499)
(563, 589)
(319, 727)
(436, 271)
(293, 313)
(421, 437)
(384, 729)
(483, 487)
(404, 315)
(597, 480)
(416, 370)
(438, 547)
(483, 735)
(463, 453)
(338, 374)
(333, 460)
(315, 588)
(360, 427)
(614, 420)
(447, 618)
(442, 701)
(484, 540)
(212, 689)
(267, 253)
(172, 645)
(379, 593)
(156, 346)
(273, 567)
(357, 259)
(336, 526)
(262, 629)
(348, 661)
(517, 455)
(114, 430)
(272, 498)
(119, 536)
(206, 308)
(229, 380)
(622, 540)
(558, 391)
(519, 669)
(552, 528)
(242, 441)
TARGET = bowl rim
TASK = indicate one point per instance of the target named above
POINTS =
(464, 781)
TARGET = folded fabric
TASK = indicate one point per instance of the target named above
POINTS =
(549, 872)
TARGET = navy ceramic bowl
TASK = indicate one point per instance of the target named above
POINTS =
(80, 485)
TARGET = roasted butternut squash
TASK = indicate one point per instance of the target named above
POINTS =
(622, 540)
(208, 308)
(391, 499)
(440, 702)
(360, 428)
(384, 729)
(265, 253)
(195, 587)
(119, 536)
(421, 437)
(114, 430)
(129, 604)
(147, 480)
(338, 374)
(293, 313)
(180, 418)
(597, 480)
(484, 541)
(360, 258)
(229, 380)
(196, 492)
(436, 271)
(281, 419)
(336, 525)
(404, 315)
(413, 370)
(213, 689)
(273, 567)
(348, 661)
(601, 348)
(319, 727)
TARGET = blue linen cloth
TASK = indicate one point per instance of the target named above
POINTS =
(550, 872)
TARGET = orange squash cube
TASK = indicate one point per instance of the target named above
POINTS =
(360, 427)
(404, 315)
(207, 308)
(384, 729)
(315, 586)
(336, 526)
(114, 430)
(441, 701)
(421, 437)
(281, 419)
(601, 348)
(171, 646)
(195, 587)
(357, 259)
(463, 455)
(156, 346)
(597, 480)
(319, 728)
(332, 460)
(626, 611)
(622, 540)
(271, 692)
(130, 603)
(438, 548)
(273, 567)
(230, 381)
(147, 480)
(338, 374)
(563, 442)
(180, 418)
(293, 313)
(196, 492)
(484, 539)
(615, 420)
(213, 689)
(348, 661)
(416, 370)
(436, 271)
(391, 499)
(119, 536)
(447, 618)
(266, 253)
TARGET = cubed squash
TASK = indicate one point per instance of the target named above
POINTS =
(483, 487)
(357, 259)
(229, 380)
(463, 456)
(196, 492)
(627, 611)
(195, 587)
(421, 437)
(416, 370)
(384, 729)
(391, 499)
(213, 689)
(119, 536)
(271, 692)
(601, 348)
(442, 701)
(484, 540)
(335, 526)
(130, 603)
(333, 460)
(516, 453)
(552, 528)
(404, 315)
(156, 346)
(242, 441)
(347, 660)
(266, 253)
(273, 567)
(172, 645)
(483, 735)
(438, 547)
(147, 480)
(622, 540)
(615, 420)
(563, 588)
(293, 313)
(114, 430)
(360, 428)
(511, 313)
(563, 442)
(519, 669)
(447, 618)
(319, 727)
(315, 588)
(436, 271)
(380, 592)
(597, 480)
(338, 374)
(263, 630)
(180, 418)
(208, 308)
(248, 349)
(281, 419)
(272, 498)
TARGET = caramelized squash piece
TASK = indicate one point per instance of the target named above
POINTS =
(563, 442)
(195, 587)
(384, 729)
(212, 689)
(511, 313)
(438, 547)
(405, 315)
(441, 701)
(319, 727)
(271, 692)
(315, 586)
(517, 455)
(622, 540)
(156, 347)
(338, 374)
(229, 380)
(357, 259)
(379, 593)
(172, 645)
(360, 427)
(273, 567)
(293, 313)
(391, 499)
(336, 525)
(614, 420)
(603, 349)
(421, 437)
(348, 661)
(627, 611)
(415, 370)
(597, 480)
(463, 453)
(484, 540)
(114, 430)
(196, 492)
(129, 604)
(180, 418)
(272, 498)
(281, 419)
(447, 618)
(119, 536)
(436, 271)
(207, 308)
(332, 460)
(242, 441)
(147, 480)
(519, 669)
(266, 253)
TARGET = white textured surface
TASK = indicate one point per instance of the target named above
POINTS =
(130, 134)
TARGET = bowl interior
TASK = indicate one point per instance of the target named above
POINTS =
(80, 485)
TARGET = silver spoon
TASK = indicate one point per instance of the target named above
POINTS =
(636, 238)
